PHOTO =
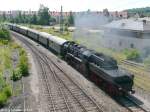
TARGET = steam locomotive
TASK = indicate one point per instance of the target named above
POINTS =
(97, 67)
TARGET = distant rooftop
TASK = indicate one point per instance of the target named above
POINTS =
(130, 24)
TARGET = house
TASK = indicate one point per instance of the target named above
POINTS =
(127, 33)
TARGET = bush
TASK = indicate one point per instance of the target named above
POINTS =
(22, 52)
(5, 94)
(66, 28)
(15, 46)
(16, 74)
(22, 68)
(23, 65)
(4, 42)
(131, 54)
(7, 91)
(3, 98)
(4, 34)
(2, 82)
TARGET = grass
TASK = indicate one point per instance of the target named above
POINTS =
(7, 47)
(5, 94)
(5, 64)
(147, 62)
(16, 75)
(5, 56)
(17, 90)
(22, 66)
(23, 62)
(142, 78)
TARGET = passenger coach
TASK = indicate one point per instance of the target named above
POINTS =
(54, 43)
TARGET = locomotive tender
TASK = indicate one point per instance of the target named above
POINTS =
(101, 69)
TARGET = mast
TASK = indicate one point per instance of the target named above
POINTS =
(61, 20)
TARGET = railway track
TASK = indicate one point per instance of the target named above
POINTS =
(137, 65)
(63, 94)
(131, 104)
(18, 103)
(132, 63)
(141, 75)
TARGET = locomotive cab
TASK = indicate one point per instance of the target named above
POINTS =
(106, 73)
(103, 61)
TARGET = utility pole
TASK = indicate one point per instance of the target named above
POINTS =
(61, 20)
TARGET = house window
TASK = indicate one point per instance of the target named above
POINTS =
(132, 45)
(120, 43)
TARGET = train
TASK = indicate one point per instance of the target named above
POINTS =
(97, 67)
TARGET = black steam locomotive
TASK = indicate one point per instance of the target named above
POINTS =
(101, 69)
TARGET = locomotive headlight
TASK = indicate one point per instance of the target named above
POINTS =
(132, 76)
(120, 88)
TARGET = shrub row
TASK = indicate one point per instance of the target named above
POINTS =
(5, 94)
(4, 33)
(131, 54)
(22, 68)
(5, 89)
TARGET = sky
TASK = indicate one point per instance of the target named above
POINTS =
(72, 5)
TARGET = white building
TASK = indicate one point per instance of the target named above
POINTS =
(127, 33)
(14, 13)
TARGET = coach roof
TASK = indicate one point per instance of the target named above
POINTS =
(55, 39)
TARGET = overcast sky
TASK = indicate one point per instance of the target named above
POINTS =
(72, 5)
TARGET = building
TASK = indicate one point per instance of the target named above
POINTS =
(14, 13)
(57, 15)
(121, 14)
(127, 33)
(114, 15)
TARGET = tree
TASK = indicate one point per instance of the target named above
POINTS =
(4, 17)
(141, 11)
(106, 12)
(20, 17)
(71, 19)
(44, 16)
(24, 20)
(34, 19)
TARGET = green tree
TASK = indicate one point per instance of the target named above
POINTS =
(44, 16)
(20, 17)
(52, 20)
(71, 19)
(141, 11)
(4, 17)
(23, 18)
(4, 34)
(34, 19)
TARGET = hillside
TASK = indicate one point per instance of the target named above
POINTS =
(141, 11)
